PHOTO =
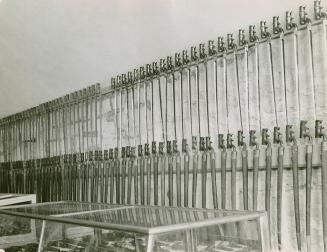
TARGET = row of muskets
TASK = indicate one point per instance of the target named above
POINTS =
(53, 128)
(272, 79)
(166, 175)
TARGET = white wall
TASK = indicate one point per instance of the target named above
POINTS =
(50, 48)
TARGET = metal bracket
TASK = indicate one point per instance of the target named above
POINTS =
(154, 147)
(161, 148)
(140, 150)
(289, 21)
(162, 65)
(116, 152)
(148, 71)
(202, 52)
(211, 48)
(289, 133)
(230, 42)
(241, 37)
(221, 141)
(146, 149)
(194, 143)
(178, 61)
(253, 138)
(304, 129)
(136, 75)
(263, 30)
(221, 47)
(252, 34)
(132, 152)
(123, 152)
(155, 69)
(265, 137)
(106, 155)
(230, 141)
(111, 153)
(208, 143)
(318, 10)
(130, 77)
(184, 145)
(168, 147)
(240, 138)
(185, 57)
(277, 25)
(202, 144)
(303, 16)
(277, 135)
(318, 129)
(142, 73)
(128, 151)
(194, 56)
(175, 146)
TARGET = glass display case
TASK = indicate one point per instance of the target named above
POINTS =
(16, 199)
(76, 226)
(13, 231)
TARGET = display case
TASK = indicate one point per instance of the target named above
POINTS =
(75, 226)
(16, 199)
(13, 231)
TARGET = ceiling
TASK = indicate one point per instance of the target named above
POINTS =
(52, 47)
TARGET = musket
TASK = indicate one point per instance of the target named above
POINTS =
(265, 141)
(74, 176)
(222, 146)
(195, 161)
(100, 179)
(291, 139)
(111, 167)
(319, 134)
(245, 171)
(140, 165)
(230, 145)
(170, 68)
(116, 168)
(203, 154)
(186, 170)
(304, 134)
(280, 171)
(77, 176)
(94, 162)
(170, 174)
(256, 153)
(90, 176)
(266, 35)
(83, 176)
(135, 174)
(64, 176)
(155, 167)
(105, 176)
(130, 162)
(194, 59)
(203, 56)
(123, 175)
(162, 165)
(147, 168)
(92, 101)
(177, 161)
(162, 68)
(212, 158)
(253, 38)
(56, 164)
